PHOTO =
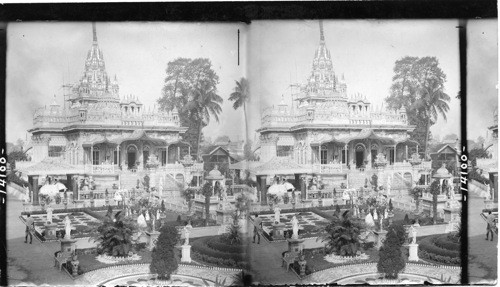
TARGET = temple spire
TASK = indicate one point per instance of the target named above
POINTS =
(321, 34)
(94, 32)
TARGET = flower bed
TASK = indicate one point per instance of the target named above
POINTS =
(89, 262)
(106, 259)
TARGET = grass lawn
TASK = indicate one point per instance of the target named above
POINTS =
(315, 261)
(89, 263)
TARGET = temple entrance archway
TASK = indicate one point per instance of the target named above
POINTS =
(131, 156)
(359, 155)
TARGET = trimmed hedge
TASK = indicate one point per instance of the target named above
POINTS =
(200, 245)
(315, 209)
(79, 209)
(439, 258)
(217, 244)
(218, 261)
(428, 245)
(444, 242)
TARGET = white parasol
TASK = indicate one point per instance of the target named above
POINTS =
(60, 186)
(277, 189)
(49, 190)
(289, 186)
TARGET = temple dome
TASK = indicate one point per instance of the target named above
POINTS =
(215, 174)
(442, 172)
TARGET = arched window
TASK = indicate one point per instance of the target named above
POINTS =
(95, 156)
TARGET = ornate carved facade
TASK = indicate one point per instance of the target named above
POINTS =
(328, 126)
(97, 126)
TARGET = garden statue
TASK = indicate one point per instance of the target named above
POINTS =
(277, 211)
(369, 220)
(147, 218)
(187, 230)
(158, 213)
(413, 232)
(381, 223)
(386, 214)
(141, 221)
(67, 225)
(295, 227)
(375, 215)
(49, 214)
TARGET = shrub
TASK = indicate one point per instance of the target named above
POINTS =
(163, 261)
(391, 261)
(444, 242)
(439, 258)
(427, 244)
(200, 245)
(220, 244)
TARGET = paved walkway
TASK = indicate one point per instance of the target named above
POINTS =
(29, 264)
(265, 260)
(482, 254)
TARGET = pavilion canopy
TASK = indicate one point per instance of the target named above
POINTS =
(51, 166)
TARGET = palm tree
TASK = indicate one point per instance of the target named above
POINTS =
(342, 236)
(432, 102)
(203, 104)
(240, 96)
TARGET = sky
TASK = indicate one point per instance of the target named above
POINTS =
(274, 54)
(42, 56)
(482, 76)
(282, 52)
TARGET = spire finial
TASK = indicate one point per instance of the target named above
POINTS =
(94, 32)
(321, 34)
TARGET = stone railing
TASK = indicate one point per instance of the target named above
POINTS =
(102, 169)
(328, 168)
(428, 196)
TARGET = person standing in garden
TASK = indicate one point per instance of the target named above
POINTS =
(490, 225)
(30, 227)
(258, 228)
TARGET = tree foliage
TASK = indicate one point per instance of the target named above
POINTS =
(418, 87)
(163, 259)
(191, 88)
(391, 261)
(114, 237)
(240, 96)
(476, 153)
(14, 156)
(342, 236)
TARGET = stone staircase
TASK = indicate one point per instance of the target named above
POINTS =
(357, 178)
(128, 180)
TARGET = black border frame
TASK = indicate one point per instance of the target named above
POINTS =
(246, 12)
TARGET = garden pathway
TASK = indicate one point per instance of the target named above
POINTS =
(482, 253)
(265, 259)
(29, 264)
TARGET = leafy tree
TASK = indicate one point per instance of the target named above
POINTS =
(222, 138)
(248, 154)
(240, 96)
(233, 235)
(190, 88)
(450, 137)
(406, 220)
(163, 259)
(417, 86)
(14, 156)
(480, 141)
(391, 207)
(342, 236)
(434, 189)
(391, 261)
(207, 193)
(476, 153)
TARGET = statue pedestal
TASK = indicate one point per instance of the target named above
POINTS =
(186, 253)
(224, 216)
(68, 245)
(295, 245)
(451, 214)
(50, 231)
(278, 231)
(380, 234)
(413, 252)
(152, 238)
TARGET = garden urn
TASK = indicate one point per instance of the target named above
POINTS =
(302, 265)
(75, 263)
